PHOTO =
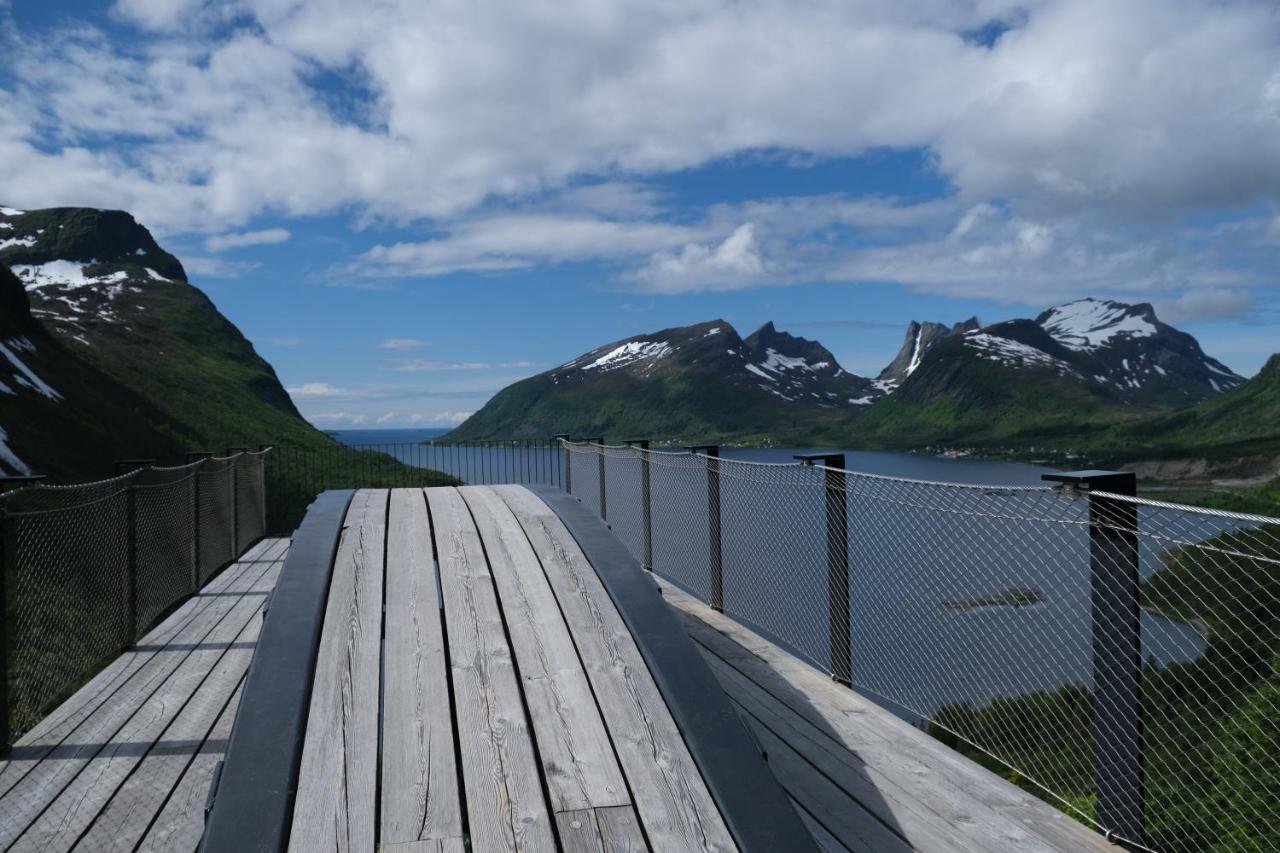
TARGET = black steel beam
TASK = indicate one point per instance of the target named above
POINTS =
(253, 804)
(754, 805)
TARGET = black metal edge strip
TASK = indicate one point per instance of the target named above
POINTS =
(754, 805)
(253, 802)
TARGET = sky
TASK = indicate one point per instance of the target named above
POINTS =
(407, 204)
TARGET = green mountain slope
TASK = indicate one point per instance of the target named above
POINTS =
(691, 383)
(62, 416)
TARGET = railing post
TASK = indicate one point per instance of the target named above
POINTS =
(1119, 772)
(234, 454)
(561, 439)
(839, 623)
(716, 580)
(131, 565)
(5, 740)
(646, 505)
(195, 528)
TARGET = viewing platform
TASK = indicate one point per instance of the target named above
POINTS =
(483, 667)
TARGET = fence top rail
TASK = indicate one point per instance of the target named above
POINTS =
(1198, 510)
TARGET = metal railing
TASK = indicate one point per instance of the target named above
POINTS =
(1119, 657)
(297, 474)
(89, 568)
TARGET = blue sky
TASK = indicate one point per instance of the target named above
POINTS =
(407, 205)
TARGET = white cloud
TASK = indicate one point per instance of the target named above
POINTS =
(730, 264)
(333, 419)
(288, 341)
(402, 343)
(205, 267)
(386, 418)
(316, 391)
(1201, 305)
(215, 116)
(417, 365)
(222, 242)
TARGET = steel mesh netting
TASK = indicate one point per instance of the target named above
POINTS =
(66, 590)
(164, 515)
(215, 496)
(250, 503)
(584, 474)
(624, 491)
(972, 612)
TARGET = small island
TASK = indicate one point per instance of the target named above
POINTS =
(1008, 598)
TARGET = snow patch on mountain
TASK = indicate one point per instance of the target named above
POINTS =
(1089, 324)
(9, 211)
(12, 464)
(777, 362)
(64, 273)
(1013, 353)
(628, 354)
(25, 242)
(25, 375)
(758, 372)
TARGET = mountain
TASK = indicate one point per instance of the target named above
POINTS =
(694, 382)
(44, 391)
(136, 354)
(919, 339)
(1073, 370)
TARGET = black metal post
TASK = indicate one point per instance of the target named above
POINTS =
(195, 528)
(646, 505)
(560, 439)
(1119, 772)
(839, 623)
(232, 453)
(123, 466)
(5, 740)
(131, 565)
(715, 582)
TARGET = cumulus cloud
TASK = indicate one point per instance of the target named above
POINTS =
(1172, 106)
(727, 265)
(222, 242)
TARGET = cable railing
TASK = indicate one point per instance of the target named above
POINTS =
(1120, 657)
(89, 568)
(297, 474)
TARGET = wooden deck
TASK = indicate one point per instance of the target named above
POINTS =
(861, 778)
(126, 763)
(484, 668)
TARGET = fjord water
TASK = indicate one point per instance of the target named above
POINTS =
(911, 564)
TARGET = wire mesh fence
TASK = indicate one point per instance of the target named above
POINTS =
(295, 475)
(89, 568)
(1120, 657)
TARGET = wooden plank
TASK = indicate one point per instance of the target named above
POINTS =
(611, 829)
(76, 807)
(875, 800)
(620, 829)
(334, 808)
(48, 778)
(503, 792)
(180, 823)
(126, 817)
(432, 845)
(671, 799)
(910, 767)
(831, 806)
(828, 842)
(54, 729)
(420, 796)
(573, 748)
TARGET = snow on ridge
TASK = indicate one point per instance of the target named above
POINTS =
(758, 372)
(862, 401)
(25, 375)
(714, 331)
(65, 273)
(1013, 353)
(777, 362)
(1090, 324)
(628, 353)
(9, 458)
(26, 242)
(9, 211)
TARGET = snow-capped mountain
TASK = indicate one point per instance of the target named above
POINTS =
(690, 380)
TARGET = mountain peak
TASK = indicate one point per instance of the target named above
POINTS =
(919, 339)
(82, 245)
(1090, 324)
